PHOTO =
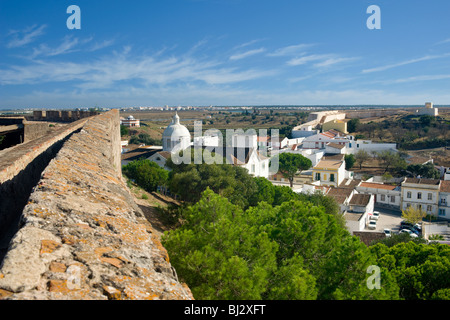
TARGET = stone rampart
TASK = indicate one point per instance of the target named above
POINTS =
(81, 234)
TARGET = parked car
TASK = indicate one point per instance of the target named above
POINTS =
(417, 226)
(375, 215)
(387, 232)
(410, 228)
(372, 224)
(411, 234)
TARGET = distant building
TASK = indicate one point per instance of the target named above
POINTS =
(336, 124)
(428, 110)
(130, 122)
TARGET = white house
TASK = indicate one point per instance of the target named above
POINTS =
(385, 195)
(444, 200)
(249, 158)
(421, 193)
(160, 158)
(335, 148)
(359, 208)
(319, 141)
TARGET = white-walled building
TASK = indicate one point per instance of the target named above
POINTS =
(359, 208)
(251, 159)
(444, 200)
(421, 193)
(244, 140)
(206, 141)
(160, 158)
(319, 141)
(130, 121)
(428, 110)
(370, 147)
(384, 194)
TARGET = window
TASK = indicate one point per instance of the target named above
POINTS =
(443, 201)
(317, 176)
(442, 212)
(419, 195)
(430, 196)
(332, 177)
(253, 168)
(383, 197)
(263, 166)
(325, 177)
(408, 194)
(392, 198)
(429, 208)
(408, 205)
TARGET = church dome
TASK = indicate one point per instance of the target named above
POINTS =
(176, 130)
(175, 133)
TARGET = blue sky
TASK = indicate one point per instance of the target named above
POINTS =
(223, 52)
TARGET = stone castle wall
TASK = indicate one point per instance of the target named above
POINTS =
(81, 234)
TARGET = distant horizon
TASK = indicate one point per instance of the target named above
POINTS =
(361, 106)
(223, 52)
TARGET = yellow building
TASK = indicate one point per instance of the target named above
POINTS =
(339, 125)
(329, 172)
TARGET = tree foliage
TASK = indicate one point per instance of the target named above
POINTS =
(145, 139)
(349, 161)
(147, 174)
(421, 271)
(292, 251)
(413, 214)
(290, 164)
(353, 125)
(360, 157)
(424, 170)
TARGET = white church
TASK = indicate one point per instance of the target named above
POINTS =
(177, 137)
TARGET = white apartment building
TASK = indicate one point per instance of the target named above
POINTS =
(384, 194)
(444, 200)
(421, 193)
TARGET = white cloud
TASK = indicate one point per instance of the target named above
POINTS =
(26, 36)
(443, 41)
(67, 46)
(291, 50)
(333, 61)
(419, 78)
(306, 59)
(399, 64)
(110, 70)
(246, 54)
(246, 44)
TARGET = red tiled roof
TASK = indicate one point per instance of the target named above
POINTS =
(377, 185)
(445, 186)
